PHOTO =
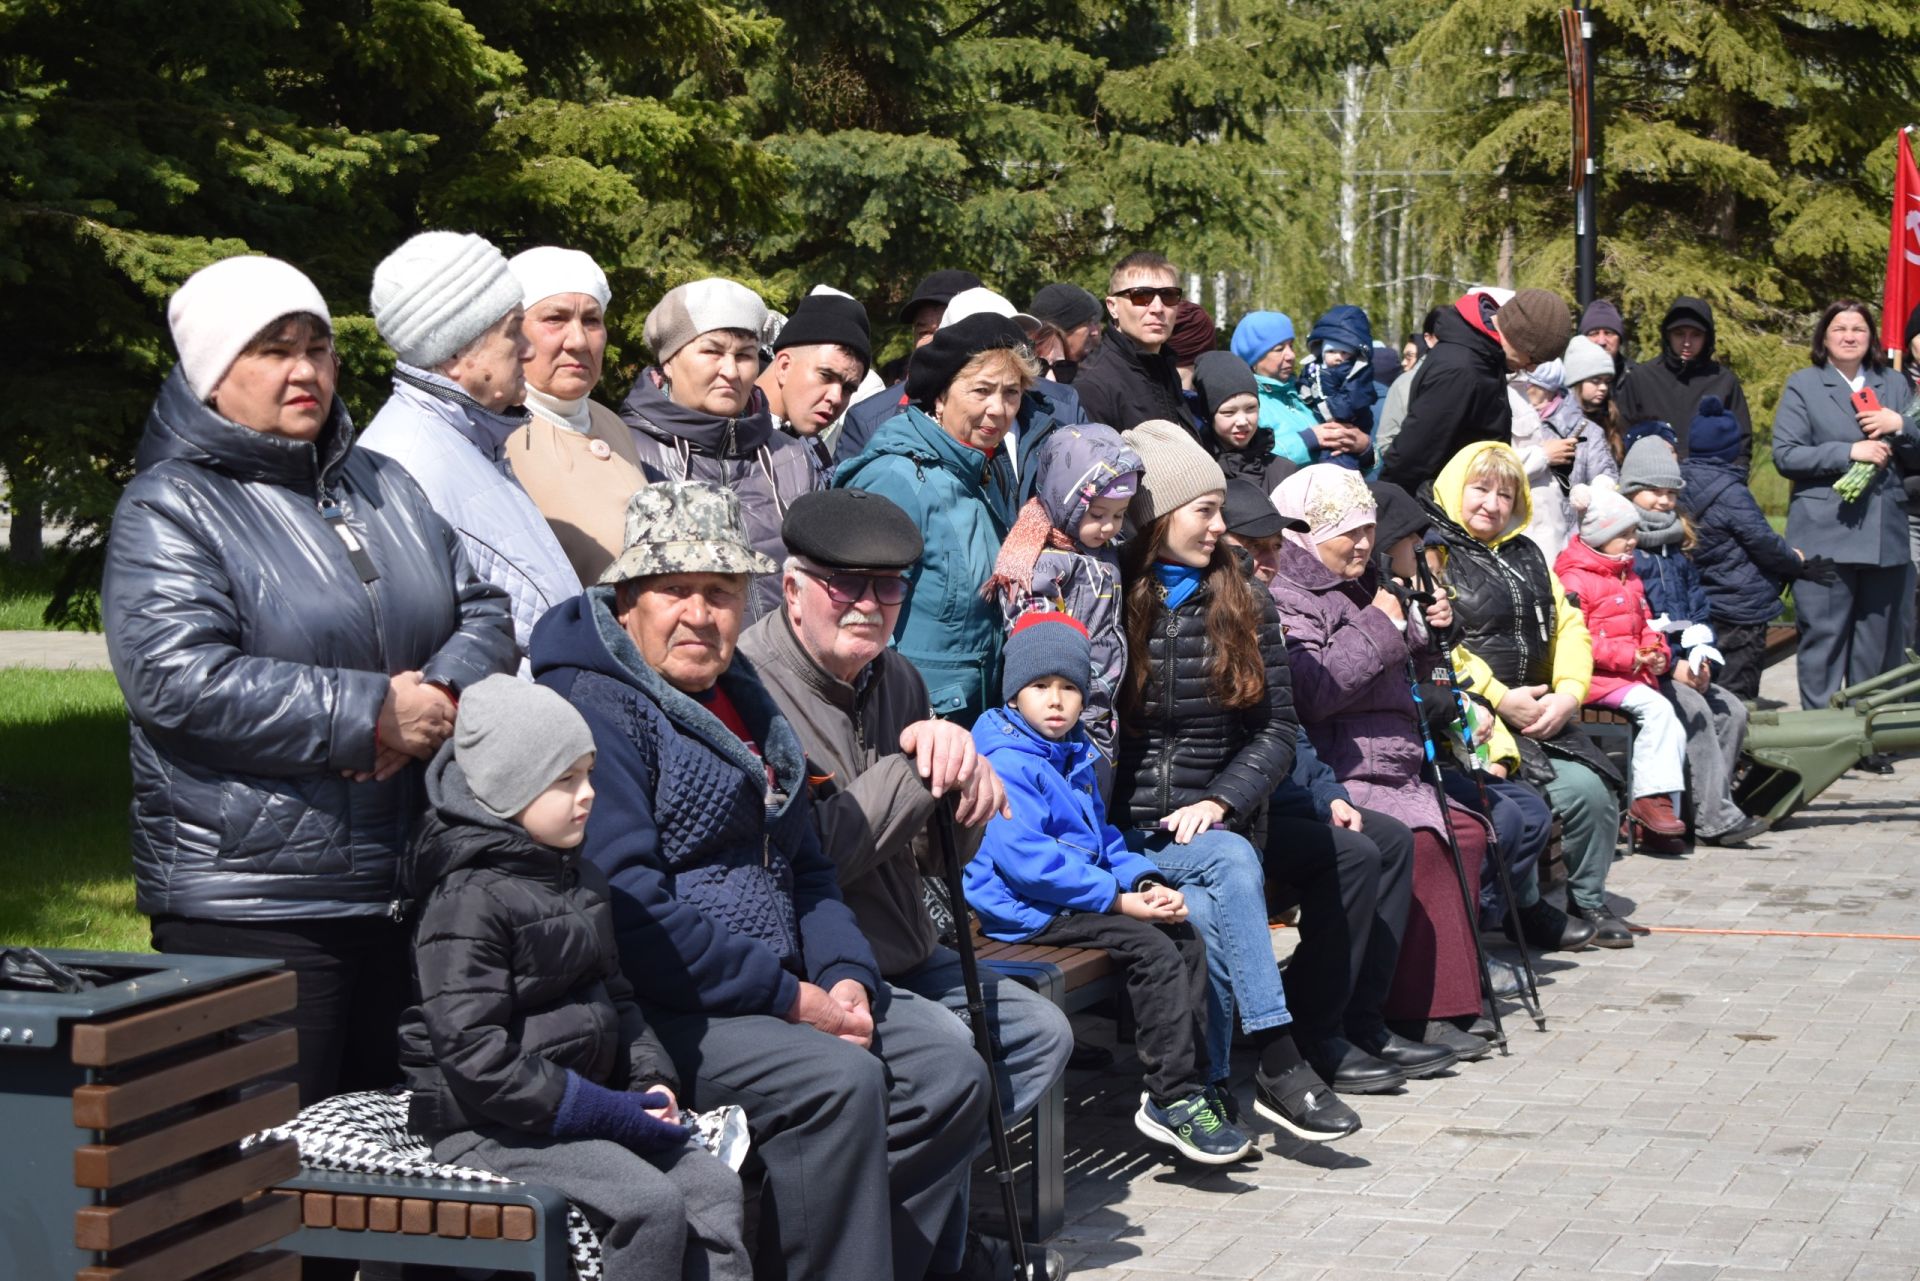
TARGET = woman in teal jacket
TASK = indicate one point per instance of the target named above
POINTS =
(935, 460)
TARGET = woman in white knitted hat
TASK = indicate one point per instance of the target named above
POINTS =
(574, 456)
(449, 306)
(290, 623)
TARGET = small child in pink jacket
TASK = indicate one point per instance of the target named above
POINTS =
(1629, 656)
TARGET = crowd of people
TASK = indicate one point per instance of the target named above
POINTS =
(587, 765)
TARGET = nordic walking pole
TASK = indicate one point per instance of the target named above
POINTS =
(983, 1042)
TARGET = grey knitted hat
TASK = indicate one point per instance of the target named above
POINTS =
(1042, 644)
(438, 292)
(1650, 464)
(1604, 512)
(513, 739)
(1176, 470)
(700, 307)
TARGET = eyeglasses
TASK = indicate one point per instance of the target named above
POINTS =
(1141, 295)
(845, 589)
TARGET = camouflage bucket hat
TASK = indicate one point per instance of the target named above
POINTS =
(685, 527)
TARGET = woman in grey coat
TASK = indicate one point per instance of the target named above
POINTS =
(1850, 629)
(290, 623)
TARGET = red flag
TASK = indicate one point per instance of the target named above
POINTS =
(1903, 251)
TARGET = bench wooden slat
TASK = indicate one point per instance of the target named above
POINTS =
(101, 1107)
(106, 1227)
(316, 1209)
(517, 1222)
(483, 1222)
(260, 1222)
(416, 1216)
(383, 1214)
(350, 1213)
(450, 1218)
(109, 1165)
(135, 1036)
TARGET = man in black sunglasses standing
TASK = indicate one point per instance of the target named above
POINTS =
(878, 764)
(1130, 379)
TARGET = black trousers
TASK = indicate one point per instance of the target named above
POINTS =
(1744, 646)
(1166, 969)
(1355, 889)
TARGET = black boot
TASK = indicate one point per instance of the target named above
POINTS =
(1547, 928)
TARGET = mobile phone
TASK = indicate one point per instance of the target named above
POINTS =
(1864, 401)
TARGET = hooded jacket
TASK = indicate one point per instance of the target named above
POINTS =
(1460, 398)
(1057, 853)
(1619, 622)
(963, 508)
(255, 660)
(1122, 386)
(723, 900)
(1342, 393)
(1670, 389)
(1552, 520)
(767, 468)
(1743, 563)
(1291, 423)
(516, 975)
(456, 451)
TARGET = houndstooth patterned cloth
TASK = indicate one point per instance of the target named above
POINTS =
(367, 1134)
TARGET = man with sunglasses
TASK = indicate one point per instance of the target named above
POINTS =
(1130, 378)
(878, 764)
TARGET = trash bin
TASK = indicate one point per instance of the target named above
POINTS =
(126, 1083)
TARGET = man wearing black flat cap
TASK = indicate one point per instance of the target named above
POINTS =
(878, 764)
(822, 353)
(1075, 315)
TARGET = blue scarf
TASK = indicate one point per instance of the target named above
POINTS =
(1177, 581)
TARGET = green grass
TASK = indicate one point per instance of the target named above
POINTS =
(64, 788)
(25, 591)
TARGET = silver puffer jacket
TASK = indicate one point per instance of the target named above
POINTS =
(255, 659)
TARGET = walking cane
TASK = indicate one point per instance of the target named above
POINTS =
(983, 1042)
(1503, 875)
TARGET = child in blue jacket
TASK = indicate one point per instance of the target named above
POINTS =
(1337, 382)
(1058, 874)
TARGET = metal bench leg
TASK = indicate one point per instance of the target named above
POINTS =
(1047, 1192)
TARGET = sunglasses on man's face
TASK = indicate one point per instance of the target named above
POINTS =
(845, 589)
(1143, 295)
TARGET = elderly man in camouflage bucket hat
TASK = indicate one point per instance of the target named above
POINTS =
(729, 918)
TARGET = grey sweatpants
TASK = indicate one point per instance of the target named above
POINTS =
(1716, 724)
(659, 1216)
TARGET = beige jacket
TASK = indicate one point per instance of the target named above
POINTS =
(580, 483)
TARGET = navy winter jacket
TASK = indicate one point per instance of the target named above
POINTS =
(722, 898)
(1311, 789)
(1345, 393)
(1673, 585)
(1743, 563)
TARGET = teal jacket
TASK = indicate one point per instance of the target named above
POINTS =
(963, 508)
(1292, 423)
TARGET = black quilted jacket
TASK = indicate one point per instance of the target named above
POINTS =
(516, 974)
(1179, 746)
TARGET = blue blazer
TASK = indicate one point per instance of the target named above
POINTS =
(1813, 430)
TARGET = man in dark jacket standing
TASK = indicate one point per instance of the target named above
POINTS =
(729, 920)
(1461, 397)
(1671, 387)
(1130, 379)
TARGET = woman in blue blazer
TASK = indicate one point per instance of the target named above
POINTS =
(1850, 630)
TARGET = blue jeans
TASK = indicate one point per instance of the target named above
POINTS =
(1226, 889)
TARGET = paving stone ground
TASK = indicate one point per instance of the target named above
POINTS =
(1707, 1105)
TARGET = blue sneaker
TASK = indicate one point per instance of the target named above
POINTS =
(1194, 1129)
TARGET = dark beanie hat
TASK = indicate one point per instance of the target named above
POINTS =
(1396, 514)
(1193, 333)
(828, 318)
(1713, 433)
(936, 364)
(1218, 377)
(1537, 322)
(1601, 314)
(1064, 306)
(940, 287)
(1042, 644)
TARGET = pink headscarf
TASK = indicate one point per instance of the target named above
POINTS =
(1331, 500)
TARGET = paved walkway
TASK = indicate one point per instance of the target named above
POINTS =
(53, 649)
(1727, 1105)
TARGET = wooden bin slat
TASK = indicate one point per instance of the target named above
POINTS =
(135, 1036)
(102, 1227)
(109, 1165)
(101, 1107)
(260, 1222)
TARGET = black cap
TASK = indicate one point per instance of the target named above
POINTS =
(1396, 514)
(1065, 306)
(939, 287)
(828, 318)
(851, 529)
(1251, 514)
(936, 364)
(1218, 377)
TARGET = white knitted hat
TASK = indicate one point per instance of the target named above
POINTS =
(700, 307)
(216, 313)
(438, 292)
(1585, 359)
(550, 270)
(971, 302)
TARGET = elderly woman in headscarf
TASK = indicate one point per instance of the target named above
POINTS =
(1356, 652)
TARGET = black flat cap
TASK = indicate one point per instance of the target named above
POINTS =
(1251, 514)
(1396, 514)
(828, 318)
(937, 363)
(939, 287)
(851, 529)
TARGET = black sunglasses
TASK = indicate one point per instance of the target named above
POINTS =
(1141, 295)
(845, 589)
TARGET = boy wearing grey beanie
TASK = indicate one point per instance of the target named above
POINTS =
(526, 1052)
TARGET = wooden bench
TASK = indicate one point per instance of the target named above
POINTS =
(1612, 732)
(1782, 643)
(505, 1227)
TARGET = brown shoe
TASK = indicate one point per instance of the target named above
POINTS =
(1655, 813)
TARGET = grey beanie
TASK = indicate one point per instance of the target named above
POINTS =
(1176, 470)
(438, 292)
(1650, 464)
(700, 307)
(513, 739)
(1045, 643)
(1604, 512)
